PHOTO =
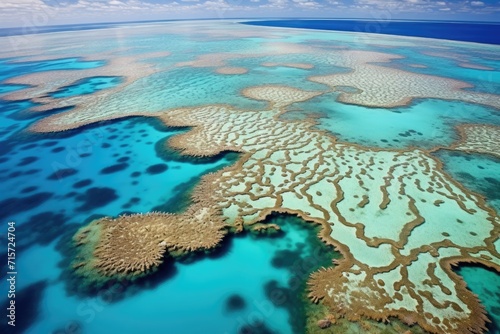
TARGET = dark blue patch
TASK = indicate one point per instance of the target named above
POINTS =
(114, 168)
(13, 205)
(29, 300)
(62, 173)
(50, 144)
(95, 198)
(28, 189)
(58, 149)
(82, 184)
(27, 161)
(157, 169)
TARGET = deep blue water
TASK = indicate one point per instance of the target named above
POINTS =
(479, 32)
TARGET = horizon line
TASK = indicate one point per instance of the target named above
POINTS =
(33, 30)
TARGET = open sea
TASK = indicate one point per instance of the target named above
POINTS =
(478, 32)
(102, 121)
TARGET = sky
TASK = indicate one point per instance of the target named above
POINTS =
(37, 13)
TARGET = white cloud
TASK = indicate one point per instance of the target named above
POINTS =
(306, 4)
(275, 4)
(36, 12)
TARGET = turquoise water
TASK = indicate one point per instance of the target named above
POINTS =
(483, 80)
(195, 298)
(486, 285)
(9, 69)
(87, 86)
(14, 117)
(424, 123)
(201, 86)
(478, 172)
(52, 184)
(10, 88)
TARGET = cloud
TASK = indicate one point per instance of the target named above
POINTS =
(22, 12)
(306, 4)
(275, 4)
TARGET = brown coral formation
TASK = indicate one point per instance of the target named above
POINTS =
(383, 86)
(393, 266)
(221, 59)
(279, 96)
(478, 138)
(132, 246)
(324, 323)
(375, 206)
(369, 84)
(130, 69)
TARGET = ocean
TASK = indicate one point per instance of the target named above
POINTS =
(478, 32)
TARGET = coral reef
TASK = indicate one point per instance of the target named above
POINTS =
(268, 49)
(399, 221)
(369, 84)
(213, 59)
(130, 69)
(279, 96)
(383, 86)
(134, 245)
(479, 138)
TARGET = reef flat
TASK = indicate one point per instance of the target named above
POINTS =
(479, 138)
(392, 266)
(399, 220)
